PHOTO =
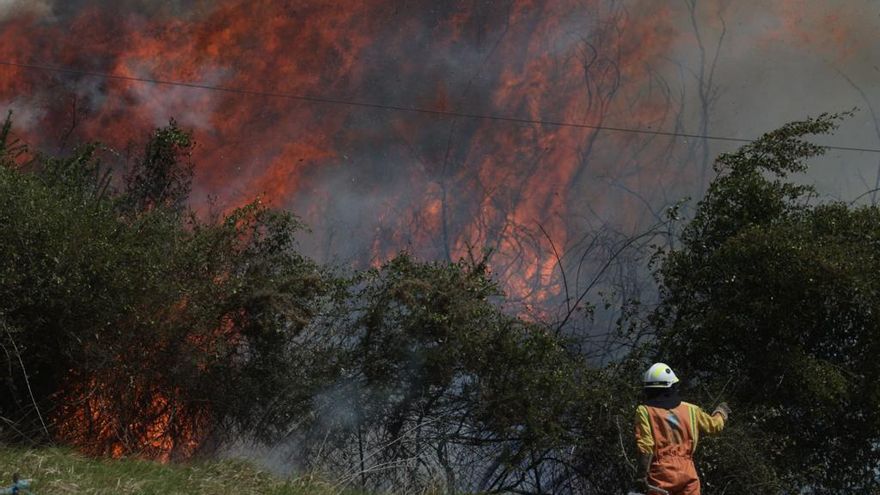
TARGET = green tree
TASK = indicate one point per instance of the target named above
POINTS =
(436, 384)
(142, 330)
(773, 301)
(162, 176)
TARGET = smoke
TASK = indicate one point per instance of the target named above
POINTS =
(192, 108)
(64, 10)
(787, 63)
(372, 181)
(26, 114)
(10, 9)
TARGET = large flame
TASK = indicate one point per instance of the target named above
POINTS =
(369, 181)
(373, 181)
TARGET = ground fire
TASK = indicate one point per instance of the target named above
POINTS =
(444, 129)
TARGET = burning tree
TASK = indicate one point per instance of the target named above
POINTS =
(438, 386)
(374, 181)
(129, 325)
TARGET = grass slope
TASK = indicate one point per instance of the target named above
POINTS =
(60, 471)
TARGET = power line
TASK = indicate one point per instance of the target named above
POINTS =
(399, 108)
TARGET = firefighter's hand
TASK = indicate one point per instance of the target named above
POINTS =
(724, 410)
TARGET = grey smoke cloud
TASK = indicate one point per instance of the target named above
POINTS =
(783, 61)
(380, 177)
(60, 10)
(26, 113)
(12, 8)
(190, 107)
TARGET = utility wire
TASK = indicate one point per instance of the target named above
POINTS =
(399, 108)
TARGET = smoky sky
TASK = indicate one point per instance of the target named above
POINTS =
(373, 181)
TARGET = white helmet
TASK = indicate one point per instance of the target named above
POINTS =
(659, 375)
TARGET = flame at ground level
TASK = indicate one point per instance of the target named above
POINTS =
(371, 182)
(99, 419)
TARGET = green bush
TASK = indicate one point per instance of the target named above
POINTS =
(772, 300)
(129, 324)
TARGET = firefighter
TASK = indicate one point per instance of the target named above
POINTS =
(667, 433)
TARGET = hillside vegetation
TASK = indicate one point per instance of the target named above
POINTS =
(133, 326)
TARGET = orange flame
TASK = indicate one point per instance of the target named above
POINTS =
(371, 181)
(434, 186)
(92, 420)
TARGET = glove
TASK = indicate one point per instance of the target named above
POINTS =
(642, 469)
(723, 409)
(645, 487)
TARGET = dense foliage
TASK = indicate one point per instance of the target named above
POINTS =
(773, 300)
(436, 381)
(131, 325)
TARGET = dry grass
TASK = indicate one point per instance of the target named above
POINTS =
(61, 471)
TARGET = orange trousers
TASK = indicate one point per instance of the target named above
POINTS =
(675, 474)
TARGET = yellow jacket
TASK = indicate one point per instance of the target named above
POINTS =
(699, 422)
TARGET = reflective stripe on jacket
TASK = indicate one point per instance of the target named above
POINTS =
(673, 432)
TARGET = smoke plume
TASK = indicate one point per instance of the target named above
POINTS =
(371, 180)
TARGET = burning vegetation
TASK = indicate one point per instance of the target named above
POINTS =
(132, 327)
(161, 301)
(149, 331)
(439, 185)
